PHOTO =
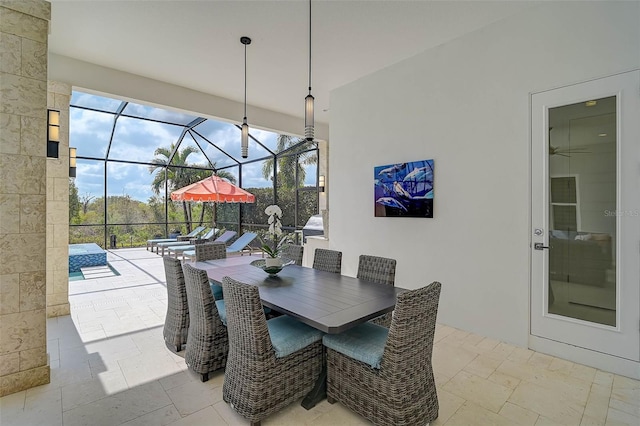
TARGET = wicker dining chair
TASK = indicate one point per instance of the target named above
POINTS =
(271, 363)
(207, 341)
(176, 322)
(210, 251)
(385, 375)
(378, 270)
(327, 260)
(294, 252)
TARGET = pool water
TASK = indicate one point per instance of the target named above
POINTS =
(93, 272)
(76, 276)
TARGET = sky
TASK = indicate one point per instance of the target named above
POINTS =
(136, 140)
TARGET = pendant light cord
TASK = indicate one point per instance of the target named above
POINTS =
(309, 46)
(245, 81)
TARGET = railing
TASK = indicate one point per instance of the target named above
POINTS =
(122, 235)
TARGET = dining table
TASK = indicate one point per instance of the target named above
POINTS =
(329, 302)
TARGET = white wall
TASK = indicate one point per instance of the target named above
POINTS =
(466, 105)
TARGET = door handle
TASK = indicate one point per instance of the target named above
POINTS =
(539, 246)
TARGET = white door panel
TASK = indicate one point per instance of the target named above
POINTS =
(585, 276)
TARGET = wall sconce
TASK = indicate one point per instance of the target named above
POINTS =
(321, 183)
(53, 133)
(72, 162)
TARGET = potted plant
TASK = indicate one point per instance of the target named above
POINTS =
(274, 248)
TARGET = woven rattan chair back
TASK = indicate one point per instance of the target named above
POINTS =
(378, 270)
(176, 322)
(256, 383)
(210, 251)
(413, 328)
(327, 260)
(207, 341)
(380, 395)
(245, 318)
(294, 252)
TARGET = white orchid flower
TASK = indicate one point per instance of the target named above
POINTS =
(275, 228)
(273, 210)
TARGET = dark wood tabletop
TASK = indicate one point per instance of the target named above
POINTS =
(329, 302)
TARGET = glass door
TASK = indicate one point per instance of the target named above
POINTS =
(586, 215)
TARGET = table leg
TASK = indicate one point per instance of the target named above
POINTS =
(319, 391)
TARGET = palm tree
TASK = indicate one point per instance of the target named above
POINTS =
(287, 164)
(178, 177)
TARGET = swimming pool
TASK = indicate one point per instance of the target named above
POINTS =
(83, 255)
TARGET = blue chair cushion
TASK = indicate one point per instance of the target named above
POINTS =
(364, 342)
(217, 291)
(289, 335)
(222, 311)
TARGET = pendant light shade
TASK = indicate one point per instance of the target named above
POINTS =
(245, 138)
(308, 117)
(244, 145)
(308, 101)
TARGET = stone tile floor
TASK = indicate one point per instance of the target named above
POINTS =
(109, 366)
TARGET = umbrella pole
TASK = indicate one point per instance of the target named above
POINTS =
(214, 211)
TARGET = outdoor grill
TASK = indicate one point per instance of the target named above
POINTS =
(312, 227)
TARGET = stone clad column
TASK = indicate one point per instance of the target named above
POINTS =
(58, 98)
(23, 111)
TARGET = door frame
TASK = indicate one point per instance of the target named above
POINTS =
(552, 344)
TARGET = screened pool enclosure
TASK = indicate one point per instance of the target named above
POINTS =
(130, 157)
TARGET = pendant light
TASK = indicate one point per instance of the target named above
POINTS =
(308, 101)
(245, 127)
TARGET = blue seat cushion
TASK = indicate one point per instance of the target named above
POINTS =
(364, 342)
(222, 311)
(217, 291)
(289, 335)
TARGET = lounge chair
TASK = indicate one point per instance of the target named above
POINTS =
(180, 249)
(242, 243)
(206, 237)
(182, 239)
(192, 234)
(238, 246)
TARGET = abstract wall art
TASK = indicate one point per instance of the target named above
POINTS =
(404, 189)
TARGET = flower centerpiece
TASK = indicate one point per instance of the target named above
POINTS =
(274, 248)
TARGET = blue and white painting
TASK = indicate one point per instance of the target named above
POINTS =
(404, 189)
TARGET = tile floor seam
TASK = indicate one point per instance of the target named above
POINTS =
(528, 409)
(134, 314)
(507, 401)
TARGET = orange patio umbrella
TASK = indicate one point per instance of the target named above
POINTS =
(215, 190)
